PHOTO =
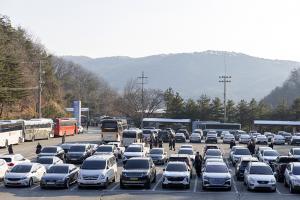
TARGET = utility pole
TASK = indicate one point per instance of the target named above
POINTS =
(40, 89)
(143, 78)
(225, 79)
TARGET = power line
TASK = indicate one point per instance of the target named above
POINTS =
(142, 78)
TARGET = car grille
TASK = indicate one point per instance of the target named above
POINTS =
(175, 178)
(217, 181)
(13, 179)
(90, 177)
(133, 174)
(263, 182)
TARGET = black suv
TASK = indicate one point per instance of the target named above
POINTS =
(78, 153)
(138, 172)
(280, 164)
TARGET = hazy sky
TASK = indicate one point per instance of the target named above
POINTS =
(98, 28)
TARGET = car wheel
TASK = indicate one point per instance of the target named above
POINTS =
(148, 184)
(30, 182)
(188, 186)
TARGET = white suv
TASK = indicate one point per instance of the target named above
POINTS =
(98, 170)
(176, 173)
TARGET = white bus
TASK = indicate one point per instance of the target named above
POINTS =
(132, 136)
(38, 129)
(11, 132)
(112, 129)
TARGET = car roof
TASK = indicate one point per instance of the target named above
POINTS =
(100, 157)
(139, 158)
(258, 164)
(216, 163)
(248, 158)
(9, 155)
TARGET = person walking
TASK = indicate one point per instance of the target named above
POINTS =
(173, 143)
(10, 149)
(271, 145)
(198, 164)
(75, 128)
(160, 143)
(38, 148)
(170, 142)
(63, 139)
(232, 144)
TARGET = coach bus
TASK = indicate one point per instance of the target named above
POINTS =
(65, 125)
(112, 129)
(11, 132)
(38, 129)
(216, 126)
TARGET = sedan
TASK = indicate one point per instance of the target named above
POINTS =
(261, 139)
(176, 173)
(49, 161)
(14, 159)
(180, 137)
(187, 151)
(62, 175)
(292, 176)
(295, 152)
(107, 149)
(25, 174)
(295, 140)
(278, 139)
(213, 153)
(195, 137)
(238, 153)
(52, 151)
(269, 157)
(228, 138)
(3, 168)
(216, 175)
(244, 139)
(158, 155)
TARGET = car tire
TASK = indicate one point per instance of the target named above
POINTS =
(188, 186)
(164, 186)
(148, 184)
(30, 182)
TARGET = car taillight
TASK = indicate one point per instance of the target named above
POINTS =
(10, 164)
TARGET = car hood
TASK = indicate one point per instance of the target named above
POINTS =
(270, 157)
(261, 177)
(216, 175)
(156, 155)
(134, 154)
(184, 173)
(135, 171)
(16, 175)
(46, 154)
(54, 176)
(88, 172)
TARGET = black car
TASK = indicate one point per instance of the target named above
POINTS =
(138, 172)
(52, 151)
(78, 153)
(211, 138)
(62, 175)
(280, 164)
(163, 135)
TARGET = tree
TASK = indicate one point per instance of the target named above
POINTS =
(242, 113)
(204, 108)
(191, 109)
(216, 109)
(174, 104)
(295, 110)
(231, 111)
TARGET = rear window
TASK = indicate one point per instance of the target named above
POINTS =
(216, 169)
(21, 169)
(77, 149)
(212, 152)
(242, 152)
(176, 167)
(186, 151)
(265, 170)
(94, 164)
(6, 159)
(156, 151)
(58, 170)
(133, 149)
(270, 153)
(104, 149)
(137, 164)
(49, 150)
(45, 161)
(129, 134)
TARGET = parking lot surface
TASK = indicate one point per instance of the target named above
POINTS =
(113, 191)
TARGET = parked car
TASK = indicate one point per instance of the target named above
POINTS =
(259, 175)
(182, 158)
(62, 175)
(14, 159)
(212, 160)
(269, 157)
(158, 155)
(278, 140)
(238, 153)
(120, 148)
(261, 139)
(239, 133)
(187, 146)
(164, 135)
(232, 151)
(269, 136)
(260, 149)
(66, 146)
(98, 170)
(292, 176)
(195, 138)
(286, 135)
(187, 151)
(185, 132)
(241, 166)
(211, 137)
(223, 133)
(24, 174)
(206, 147)
(176, 173)
(3, 168)
(133, 151)
(244, 139)
(78, 153)
(138, 171)
(199, 131)
(52, 151)
(280, 165)
(49, 161)
(254, 135)
(107, 149)
(180, 137)
(228, 138)
(213, 153)
(295, 152)
(295, 140)
(216, 175)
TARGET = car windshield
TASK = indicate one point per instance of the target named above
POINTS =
(242, 152)
(45, 161)
(216, 169)
(180, 159)
(77, 149)
(133, 149)
(94, 164)
(156, 151)
(104, 149)
(186, 151)
(49, 150)
(296, 170)
(172, 167)
(264, 170)
(58, 170)
(137, 164)
(213, 153)
(270, 153)
(129, 134)
(21, 169)
(6, 159)
(296, 151)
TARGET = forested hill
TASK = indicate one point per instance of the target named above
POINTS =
(63, 81)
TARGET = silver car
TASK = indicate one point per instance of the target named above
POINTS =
(292, 176)
(176, 173)
(49, 161)
(216, 175)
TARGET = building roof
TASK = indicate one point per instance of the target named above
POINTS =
(167, 120)
(278, 123)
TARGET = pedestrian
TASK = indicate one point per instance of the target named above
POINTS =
(170, 142)
(63, 139)
(10, 149)
(87, 125)
(75, 128)
(173, 143)
(251, 147)
(38, 148)
(231, 144)
(271, 145)
(160, 143)
(198, 164)
(156, 141)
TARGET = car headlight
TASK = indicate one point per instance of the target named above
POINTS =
(296, 181)
(251, 180)
(23, 178)
(273, 181)
(101, 176)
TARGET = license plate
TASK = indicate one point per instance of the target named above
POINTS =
(50, 183)
(134, 179)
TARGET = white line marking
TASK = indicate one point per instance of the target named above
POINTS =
(115, 187)
(160, 180)
(278, 191)
(74, 187)
(196, 182)
(34, 187)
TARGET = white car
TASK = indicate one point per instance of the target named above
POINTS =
(260, 149)
(158, 155)
(24, 174)
(228, 138)
(216, 175)
(133, 151)
(14, 159)
(292, 176)
(208, 160)
(49, 161)
(278, 139)
(213, 153)
(119, 147)
(238, 153)
(195, 137)
(176, 173)
(187, 151)
(187, 146)
(98, 170)
(294, 152)
(106, 149)
(3, 168)
(259, 175)
(295, 140)
(261, 139)
(223, 133)
(244, 139)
